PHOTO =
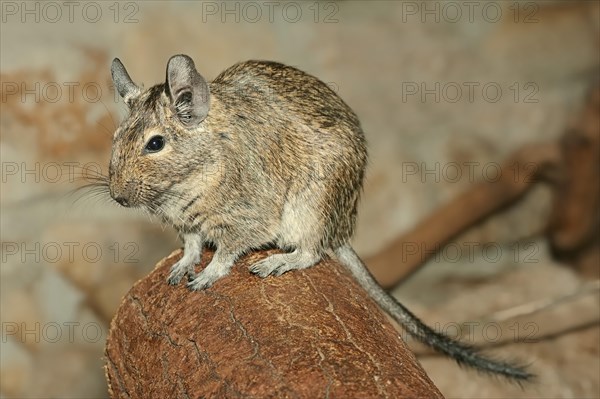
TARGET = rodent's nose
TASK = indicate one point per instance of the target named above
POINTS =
(123, 201)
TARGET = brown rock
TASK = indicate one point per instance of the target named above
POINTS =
(307, 334)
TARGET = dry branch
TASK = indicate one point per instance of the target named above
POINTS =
(483, 199)
(534, 314)
(574, 225)
(530, 308)
(571, 165)
(307, 334)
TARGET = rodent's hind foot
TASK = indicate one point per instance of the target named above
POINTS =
(276, 265)
(202, 281)
(269, 265)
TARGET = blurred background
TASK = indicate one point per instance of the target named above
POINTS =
(447, 92)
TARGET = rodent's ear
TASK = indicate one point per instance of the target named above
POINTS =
(123, 83)
(187, 90)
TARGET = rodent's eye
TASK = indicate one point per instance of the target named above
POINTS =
(155, 144)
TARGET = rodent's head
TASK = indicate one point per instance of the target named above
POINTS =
(162, 140)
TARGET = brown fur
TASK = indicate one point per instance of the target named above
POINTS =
(265, 154)
(279, 158)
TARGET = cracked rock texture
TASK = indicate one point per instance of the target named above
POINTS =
(307, 334)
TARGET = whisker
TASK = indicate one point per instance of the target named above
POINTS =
(90, 190)
(107, 131)
(109, 114)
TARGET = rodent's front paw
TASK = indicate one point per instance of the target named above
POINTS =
(180, 269)
(173, 279)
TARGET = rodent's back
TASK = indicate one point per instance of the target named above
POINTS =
(294, 90)
(272, 102)
(301, 133)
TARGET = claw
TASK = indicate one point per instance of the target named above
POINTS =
(173, 280)
(266, 267)
(202, 281)
(198, 284)
(180, 269)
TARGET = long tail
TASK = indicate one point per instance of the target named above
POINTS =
(463, 354)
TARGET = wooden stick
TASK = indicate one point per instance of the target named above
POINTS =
(574, 228)
(573, 167)
(542, 304)
(399, 259)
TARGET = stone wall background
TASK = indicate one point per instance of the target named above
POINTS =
(66, 262)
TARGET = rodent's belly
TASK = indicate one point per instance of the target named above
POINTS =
(228, 229)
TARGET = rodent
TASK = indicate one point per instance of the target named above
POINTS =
(263, 154)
